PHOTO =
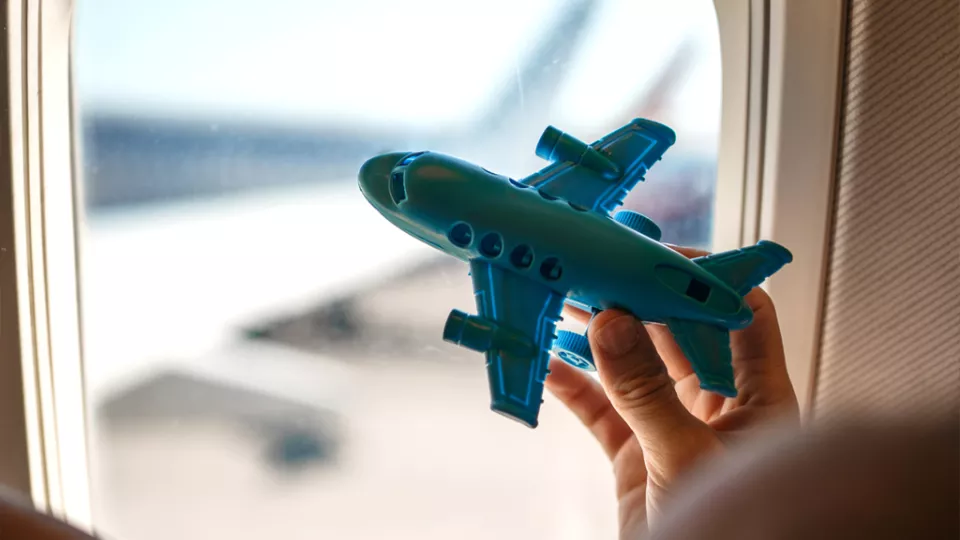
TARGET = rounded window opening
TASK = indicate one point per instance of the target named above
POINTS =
(546, 195)
(520, 185)
(550, 269)
(491, 245)
(461, 234)
(577, 207)
(409, 159)
(398, 191)
(522, 256)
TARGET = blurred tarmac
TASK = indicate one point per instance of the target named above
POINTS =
(416, 451)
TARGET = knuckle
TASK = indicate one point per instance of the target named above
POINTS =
(758, 299)
(643, 388)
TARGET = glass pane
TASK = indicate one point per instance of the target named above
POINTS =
(263, 350)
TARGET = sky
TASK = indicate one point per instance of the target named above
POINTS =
(374, 62)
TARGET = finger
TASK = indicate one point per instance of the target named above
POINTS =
(688, 252)
(577, 314)
(677, 364)
(585, 398)
(638, 386)
(678, 367)
(758, 356)
(761, 339)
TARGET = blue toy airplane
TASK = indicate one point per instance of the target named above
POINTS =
(552, 238)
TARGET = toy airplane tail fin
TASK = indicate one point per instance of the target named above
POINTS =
(744, 269)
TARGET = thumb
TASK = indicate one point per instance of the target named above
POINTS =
(635, 380)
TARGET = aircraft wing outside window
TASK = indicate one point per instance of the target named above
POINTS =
(527, 308)
(598, 176)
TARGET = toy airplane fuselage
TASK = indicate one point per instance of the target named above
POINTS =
(549, 239)
(603, 264)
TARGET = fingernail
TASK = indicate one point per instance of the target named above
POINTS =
(618, 336)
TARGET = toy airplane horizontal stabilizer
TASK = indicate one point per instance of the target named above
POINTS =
(708, 346)
(743, 269)
(553, 238)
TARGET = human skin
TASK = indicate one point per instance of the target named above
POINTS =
(649, 414)
(856, 478)
(20, 521)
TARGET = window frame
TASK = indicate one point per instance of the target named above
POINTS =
(782, 64)
(796, 188)
(40, 216)
(17, 424)
(781, 67)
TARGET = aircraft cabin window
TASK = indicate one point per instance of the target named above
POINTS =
(550, 269)
(248, 312)
(409, 159)
(491, 245)
(398, 191)
(546, 195)
(522, 256)
(461, 235)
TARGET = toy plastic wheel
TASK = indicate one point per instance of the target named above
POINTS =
(574, 349)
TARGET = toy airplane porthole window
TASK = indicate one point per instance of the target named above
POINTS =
(491, 245)
(550, 269)
(409, 159)
(522, 256)
(461, 234)
(398, 192)
(546, 195)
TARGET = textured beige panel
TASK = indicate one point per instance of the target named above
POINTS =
(891, 322)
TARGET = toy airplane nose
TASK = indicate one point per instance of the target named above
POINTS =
(374, 177)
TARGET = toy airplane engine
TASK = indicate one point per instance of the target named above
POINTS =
(524, 270)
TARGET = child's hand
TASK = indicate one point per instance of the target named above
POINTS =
(649, 413)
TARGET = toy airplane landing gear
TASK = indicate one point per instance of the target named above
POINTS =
(554, 237)
(574, 349)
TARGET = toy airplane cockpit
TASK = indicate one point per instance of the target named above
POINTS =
(552, 238)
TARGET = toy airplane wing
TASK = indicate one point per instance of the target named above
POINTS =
(598, 176)
(745, 268)
(515, 329)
